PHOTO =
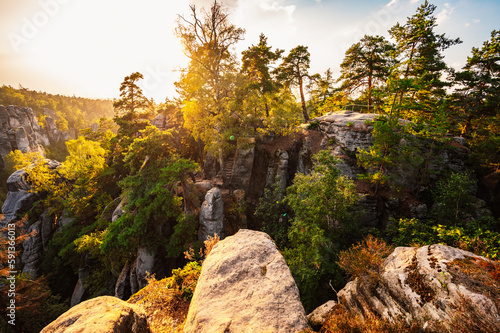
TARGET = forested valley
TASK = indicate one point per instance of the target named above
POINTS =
(137, 178)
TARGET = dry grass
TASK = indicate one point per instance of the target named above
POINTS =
(341, 320)
(165, 308)
(364, 259)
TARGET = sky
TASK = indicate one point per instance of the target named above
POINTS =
(86, 48)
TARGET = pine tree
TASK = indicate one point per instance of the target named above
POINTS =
(256, 61)
(366, 65)
(416, 81)
(293, 71)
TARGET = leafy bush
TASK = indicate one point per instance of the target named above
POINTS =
(323, 203)
(273, 212)
(185, 279)
(454, 198)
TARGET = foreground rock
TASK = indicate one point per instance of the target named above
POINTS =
(102, 314)
(318, 317)
(246, 286)
(432, 283)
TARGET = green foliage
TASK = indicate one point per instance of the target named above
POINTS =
(454, 198)
(273, 212)
(154, 206)
(385, 152)
(294, 70)
(366, 66)
(83, 166)
(41, 178)
(477, 101)
(481, 236)
(185, 279)
(324, 223)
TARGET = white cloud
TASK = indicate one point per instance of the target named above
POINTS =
(445, 14)
(393, 2)
(414, 1)
(476, 21)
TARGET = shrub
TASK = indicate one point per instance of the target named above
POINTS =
(341, 320)
(184, 279)
(365, 257)
(165, 308)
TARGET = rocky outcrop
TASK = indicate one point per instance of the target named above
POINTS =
(243, 165)
(32, 251)
(103, 314)
(80, 290)
(245, 286)
(19, 129)
(212, 216)
(19, 200)
(133, 275)
(430, 283)
(350, 130)
(160, 121)
(318, 317)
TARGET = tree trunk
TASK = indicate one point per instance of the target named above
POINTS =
(303, 99)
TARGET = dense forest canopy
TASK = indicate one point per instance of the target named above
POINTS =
(266, 94)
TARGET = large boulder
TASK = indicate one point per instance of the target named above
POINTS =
(103, 314)
(430, 283)
(246, 286)
(212, 216)
(351, 130)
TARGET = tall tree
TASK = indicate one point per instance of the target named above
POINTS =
(366, 65)
(256, 61)
(131, 96)
(420, 62)
(293, 71)
(207, 84)
(478, 99)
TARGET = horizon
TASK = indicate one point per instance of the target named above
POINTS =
(64, 47)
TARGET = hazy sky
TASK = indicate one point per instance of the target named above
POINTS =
(86, 47)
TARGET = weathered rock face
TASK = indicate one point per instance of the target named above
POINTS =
(160, 121)
(19, 129)
(428, 283)
(242, 168)
(133, 275)
(351, 130)
(32, 251)
(19, 200)
(104, 314)
(80, 290)
(246, 286)
(212, 216)
(318, 317)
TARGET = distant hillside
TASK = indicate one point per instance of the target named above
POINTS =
(69, 112)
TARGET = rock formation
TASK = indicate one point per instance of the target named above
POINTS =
(103, 314)
(19, 200)
(427, 283)
(246, 286)
(318, 317)
(19, 129)
(212, 215)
